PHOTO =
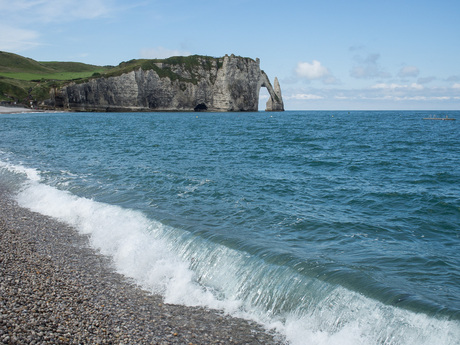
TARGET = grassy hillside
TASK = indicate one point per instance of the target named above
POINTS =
(12, 63)
(18, 67)
(24, 80)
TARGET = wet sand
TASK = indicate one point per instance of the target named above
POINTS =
(55, 289)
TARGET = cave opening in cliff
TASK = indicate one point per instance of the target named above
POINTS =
(201, 107)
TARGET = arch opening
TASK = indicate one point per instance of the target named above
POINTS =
(264, 96)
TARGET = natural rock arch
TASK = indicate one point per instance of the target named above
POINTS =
(275, 102)
(199, 83)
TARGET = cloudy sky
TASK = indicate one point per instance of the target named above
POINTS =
(328, 54)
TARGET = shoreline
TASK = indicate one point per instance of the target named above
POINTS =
(55, 289)
(17, 110)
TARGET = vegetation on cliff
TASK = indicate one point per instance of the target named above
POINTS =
(189, 64)
(24, 80)
(27, 81)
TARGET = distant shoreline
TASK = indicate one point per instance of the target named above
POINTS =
(16, 110)
(23, 110)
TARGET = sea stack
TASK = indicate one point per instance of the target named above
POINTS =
(275, 102)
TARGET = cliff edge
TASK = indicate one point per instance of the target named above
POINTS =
(193, 83)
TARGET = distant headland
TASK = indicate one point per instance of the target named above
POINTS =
(191, 83)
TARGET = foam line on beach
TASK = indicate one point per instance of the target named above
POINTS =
(140, 249)
(56, 288)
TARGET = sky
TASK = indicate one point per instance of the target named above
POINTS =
(327, 55)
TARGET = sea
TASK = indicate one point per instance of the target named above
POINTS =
(327, 227)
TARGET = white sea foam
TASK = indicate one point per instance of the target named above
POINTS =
(128, 237)
(171, 263)
(30, 173)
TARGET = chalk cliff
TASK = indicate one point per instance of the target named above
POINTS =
(199, 83)
(275, 102)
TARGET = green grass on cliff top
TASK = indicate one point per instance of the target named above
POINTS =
(189, 63)
(17, 67)
(22, 79)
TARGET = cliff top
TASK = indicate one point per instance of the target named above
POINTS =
(23, 79)
(164, 67)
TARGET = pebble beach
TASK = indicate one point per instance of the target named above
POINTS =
(55, 289)
(15, 110)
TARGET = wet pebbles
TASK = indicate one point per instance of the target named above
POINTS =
(54, 289)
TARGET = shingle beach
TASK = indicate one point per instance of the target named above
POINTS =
(55, 289)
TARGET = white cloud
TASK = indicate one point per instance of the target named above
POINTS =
(312, 70)
(162, 53)
(394, 86)
(422, 98)
(416, 86)
(14, 39)
(342, 98)
(55, 11)
(303, 96)
(380, 95)
(17, 18)
(408, 71)
(385, 86)
(19, 5)
(67, 9)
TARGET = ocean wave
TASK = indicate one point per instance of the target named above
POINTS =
(190, 270)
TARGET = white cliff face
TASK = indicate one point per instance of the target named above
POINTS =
(211, 84)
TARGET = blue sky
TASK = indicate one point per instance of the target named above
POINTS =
(354, 54)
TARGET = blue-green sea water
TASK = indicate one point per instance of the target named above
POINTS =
(328, 227)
